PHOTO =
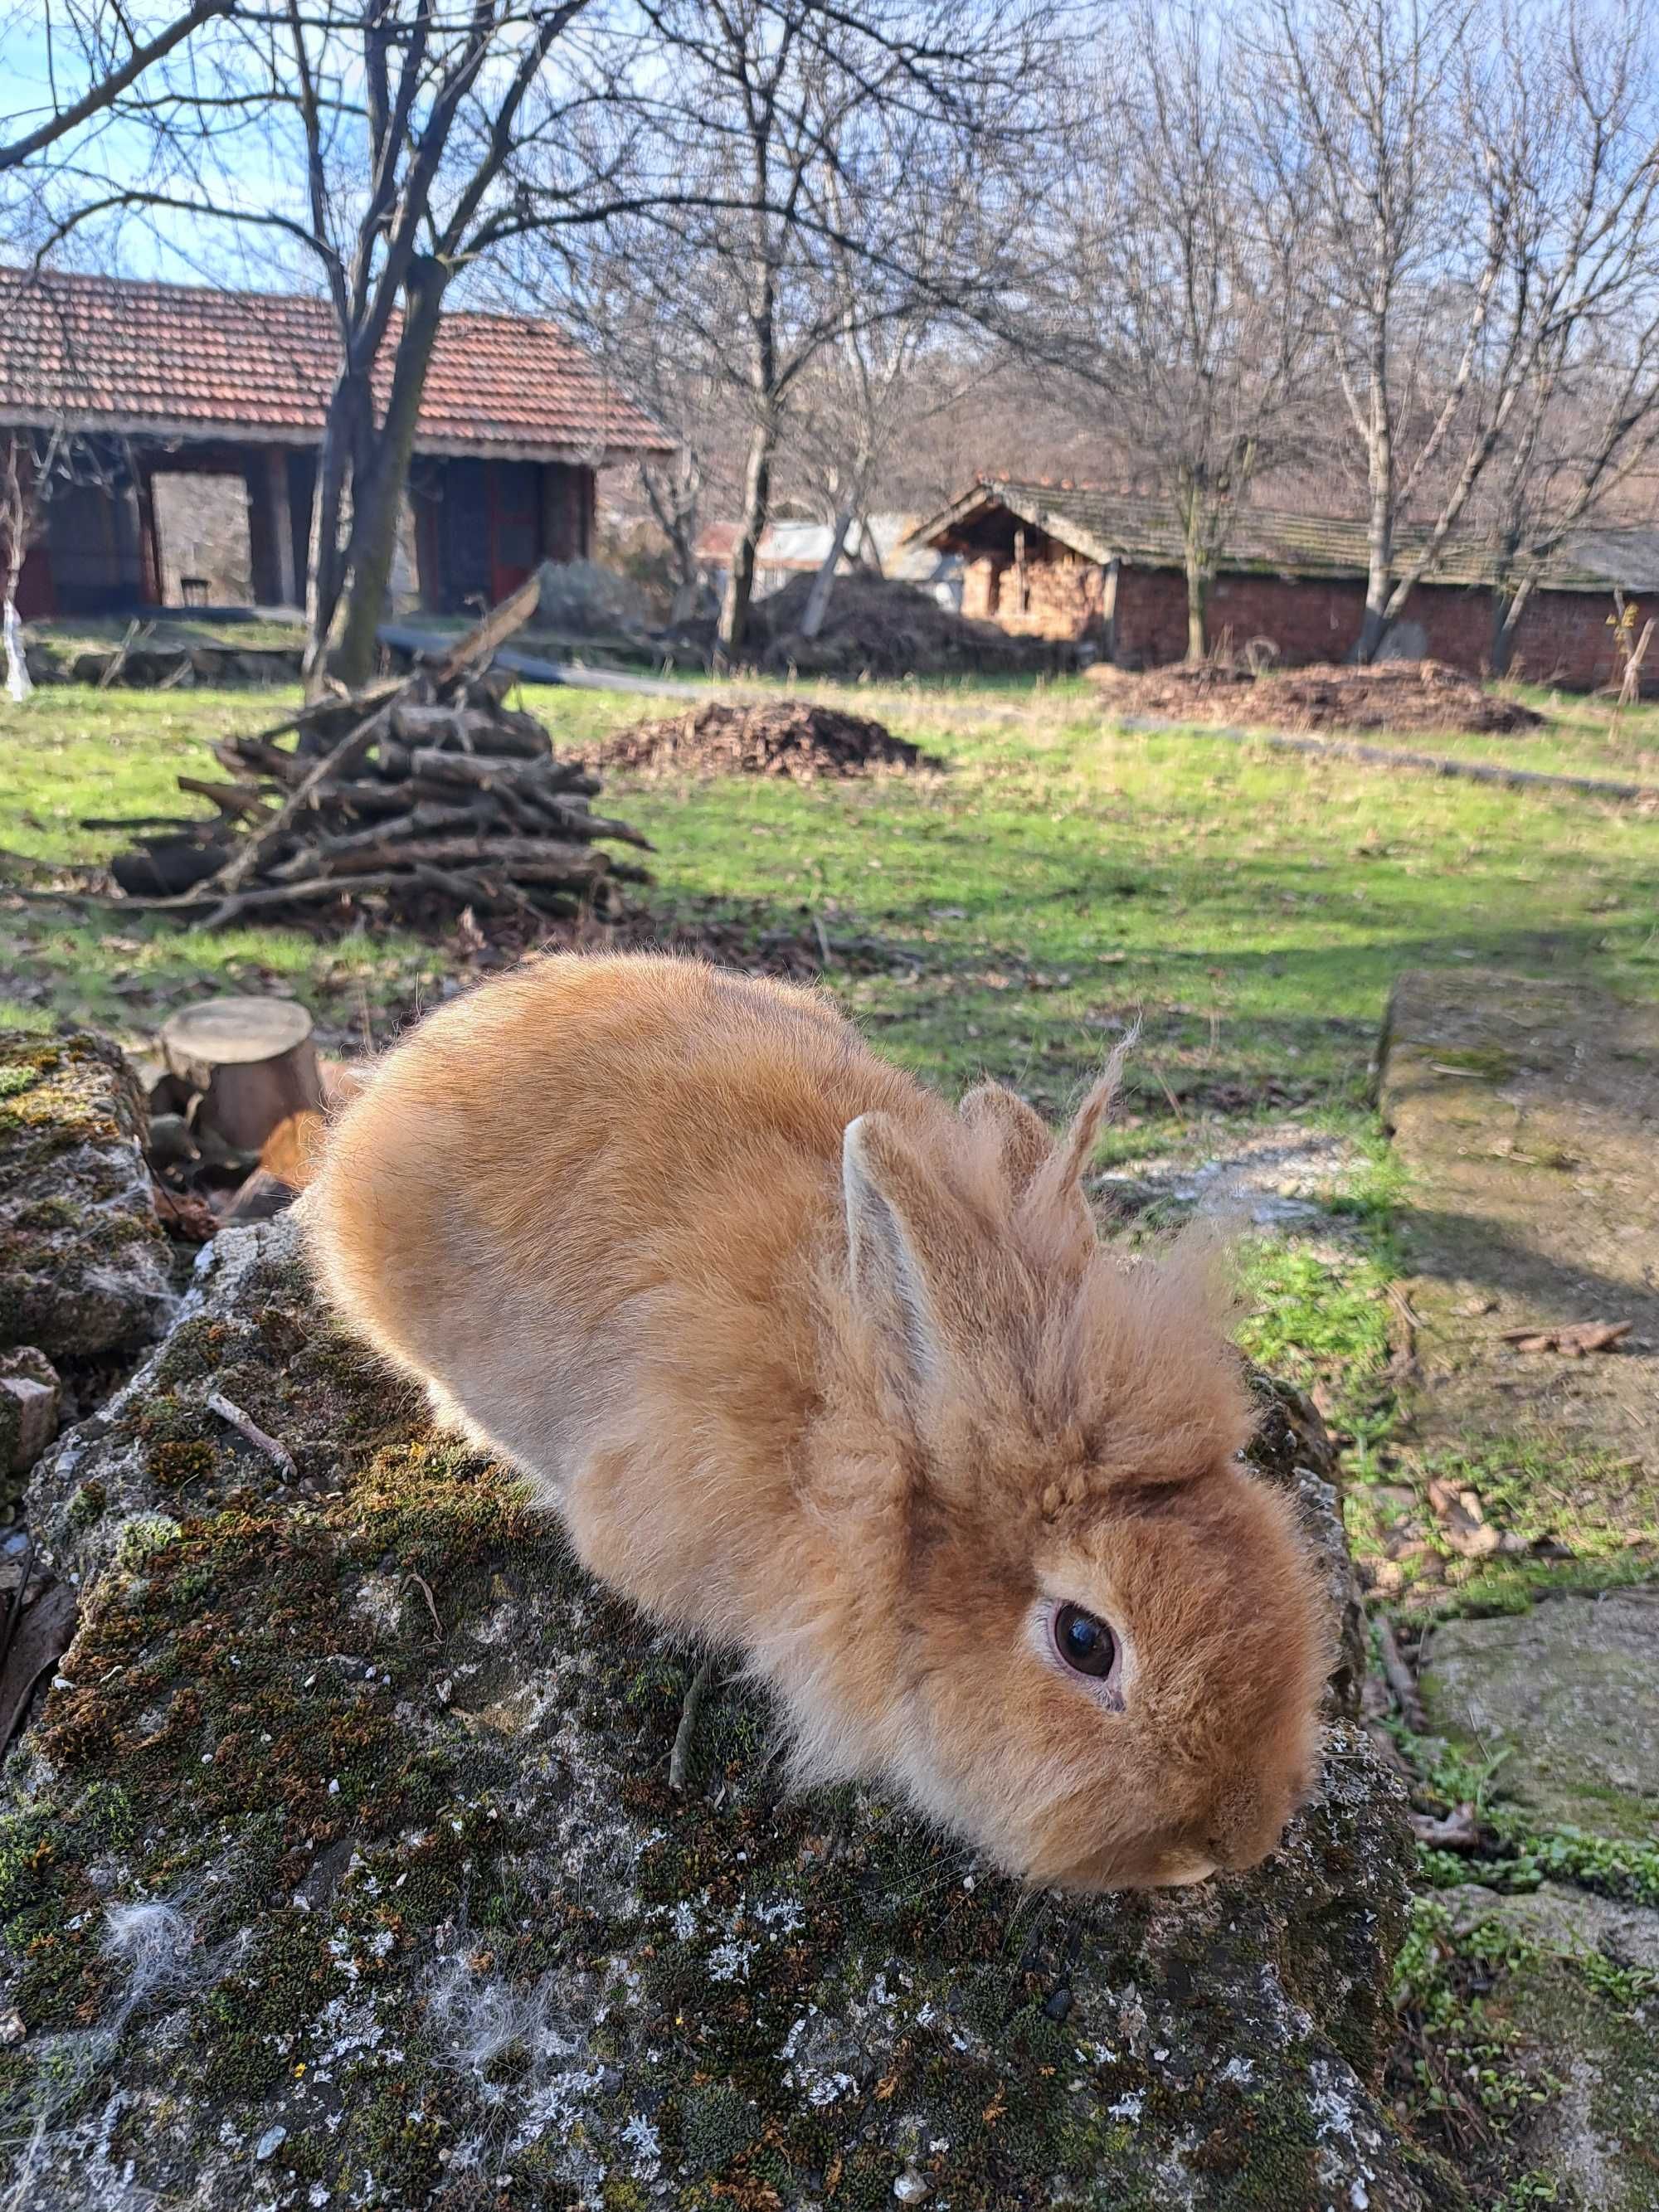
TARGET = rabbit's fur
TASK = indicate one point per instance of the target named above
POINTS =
(813, 1367)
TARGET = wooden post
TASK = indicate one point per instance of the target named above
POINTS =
(149, 541)
(289, 591)
(251, 1060)
(1109, 609)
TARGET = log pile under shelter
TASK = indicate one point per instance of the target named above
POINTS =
(429, 795)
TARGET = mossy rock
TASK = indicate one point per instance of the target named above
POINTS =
(389, 1775)
(1563, 1695)
(1567, 2023)
(85, 1267)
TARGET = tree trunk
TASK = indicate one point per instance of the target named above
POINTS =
(14, 531)
(1198, 589)
(1508, 607)
(325, 572)
(19, 683)
(378, 506)
(817, 600)
(250, 1060)
(673, 501)
(1379, 543)
(756, 503)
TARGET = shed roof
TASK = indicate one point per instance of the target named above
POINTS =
(1106, 525)
(186, 361)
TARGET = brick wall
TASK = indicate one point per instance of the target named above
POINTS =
(1563, 636)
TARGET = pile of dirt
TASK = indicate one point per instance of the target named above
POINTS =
(878, 627)
(782, 737)
(1397, 694)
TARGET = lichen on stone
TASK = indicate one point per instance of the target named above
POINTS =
(84, 1263)
(402, 1770)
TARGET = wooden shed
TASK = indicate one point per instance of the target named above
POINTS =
(153, 380)
(1103, 569)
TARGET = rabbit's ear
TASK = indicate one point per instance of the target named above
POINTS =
(1021, 1137)
(889, 1278)
(1056, 1192)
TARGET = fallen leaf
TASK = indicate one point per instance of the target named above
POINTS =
(1459, 1831)
(1462, 1520)
(1576, 1338)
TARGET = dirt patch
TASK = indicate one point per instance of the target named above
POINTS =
(785, 737)
(1524, 1114)
(879, 627)
(1407, 694)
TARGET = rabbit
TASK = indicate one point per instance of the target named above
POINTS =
(818, 1370)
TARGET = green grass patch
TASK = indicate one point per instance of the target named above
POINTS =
(1314, 1317)
(1057, 878)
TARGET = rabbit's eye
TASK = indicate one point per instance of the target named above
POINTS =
(1086, 1646)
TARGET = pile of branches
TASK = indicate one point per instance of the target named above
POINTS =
(430, 796)
(782, 737)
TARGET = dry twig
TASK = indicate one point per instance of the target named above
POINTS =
(245, 1424)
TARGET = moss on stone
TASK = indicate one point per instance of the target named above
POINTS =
(451, 1921)
(84, 1264)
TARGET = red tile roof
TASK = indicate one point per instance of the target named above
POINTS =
(184, 360)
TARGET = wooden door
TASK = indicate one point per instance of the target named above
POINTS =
(515, 524)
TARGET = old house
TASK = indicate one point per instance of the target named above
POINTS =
(1103, 570)
(154, 382)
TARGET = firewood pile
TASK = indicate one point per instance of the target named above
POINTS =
(431, 795)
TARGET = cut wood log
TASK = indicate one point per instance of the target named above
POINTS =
(577, 863)
(423, 821)
(160, 867)
(251, 1059)
(245, 798)
(497, 626)
(438, 767)
(466, 729)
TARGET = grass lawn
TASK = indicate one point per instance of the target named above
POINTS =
(1058, 877)
(73, 634)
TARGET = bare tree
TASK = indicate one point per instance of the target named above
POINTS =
(1580, 435)
(642, 304)
(1177, 296)
(86, 63)
(410, 130)
(426, 138)
(816, 137)
(867, 391)
(1473, 189)
(1584, 104)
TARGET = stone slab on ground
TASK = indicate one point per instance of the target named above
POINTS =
(1567, 1691)
(1570, 1923)
(1591, 2048)
(342, 1865)
(85, 1266)
(1527, 1116)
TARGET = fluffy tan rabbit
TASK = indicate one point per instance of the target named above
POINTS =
(815, 1368)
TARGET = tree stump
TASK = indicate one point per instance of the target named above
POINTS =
(252, 1060)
